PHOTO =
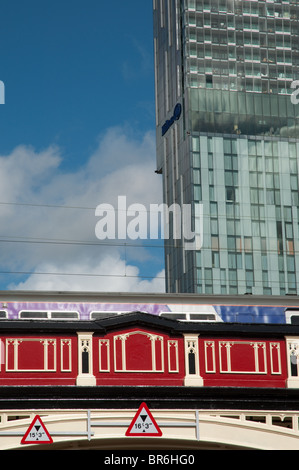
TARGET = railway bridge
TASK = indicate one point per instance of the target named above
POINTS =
(80, 384)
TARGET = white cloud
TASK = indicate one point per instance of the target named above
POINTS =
(117, 276)
(40, 203)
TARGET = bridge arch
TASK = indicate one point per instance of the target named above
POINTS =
(181, 429)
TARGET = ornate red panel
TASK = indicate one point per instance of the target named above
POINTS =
(34, 360)
(139, 357)
(242, 362)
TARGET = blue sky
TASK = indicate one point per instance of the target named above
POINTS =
(76, 130)
(72, 68)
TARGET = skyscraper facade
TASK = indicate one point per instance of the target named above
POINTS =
(227, 115)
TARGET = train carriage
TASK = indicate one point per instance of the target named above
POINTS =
(182, 307)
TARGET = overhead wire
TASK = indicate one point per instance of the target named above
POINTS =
(112, 243)
(39, 240)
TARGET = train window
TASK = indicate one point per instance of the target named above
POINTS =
(190, 316)
(292, 315)
(64, 315)
(202, 316)
(45, 315)
(174, 316)
(3, 314)
(33, 315)
(99, 315)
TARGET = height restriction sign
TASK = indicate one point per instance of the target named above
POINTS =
(37, 433)
(143, 424)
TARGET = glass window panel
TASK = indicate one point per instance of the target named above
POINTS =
(248, 261)
(289, 230)
(291, 263)
(196, 177)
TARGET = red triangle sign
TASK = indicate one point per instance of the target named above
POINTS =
(37, 433)
(143, 424)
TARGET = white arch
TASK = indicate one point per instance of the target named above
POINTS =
(185, 429)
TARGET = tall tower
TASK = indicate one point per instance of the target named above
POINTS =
(227, 115)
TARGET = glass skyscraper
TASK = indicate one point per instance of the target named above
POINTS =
(227, 114)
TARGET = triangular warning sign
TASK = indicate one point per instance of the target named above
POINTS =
(143, 424)
(37, 433)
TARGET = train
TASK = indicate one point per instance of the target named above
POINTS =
(64, 306)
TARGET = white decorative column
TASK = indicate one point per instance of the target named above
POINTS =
(85, 360)
(293, 362)
(192, 377)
